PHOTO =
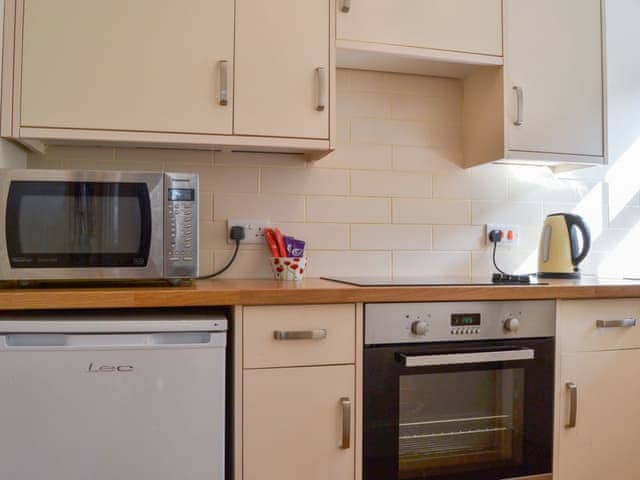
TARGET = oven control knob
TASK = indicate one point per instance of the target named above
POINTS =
(419, 328)
(511, 324)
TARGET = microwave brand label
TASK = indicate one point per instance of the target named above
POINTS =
(109, 368)
(21, 259)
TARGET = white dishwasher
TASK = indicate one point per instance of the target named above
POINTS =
(126, 395)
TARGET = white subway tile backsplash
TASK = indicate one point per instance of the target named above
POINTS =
(466, 237)
(307, 181)
(175, 158)
(511, 260)
(506, 212)
(433, 109)
(364, 104)
(358, 157)
(426, 159)
(250, 159)
(249, 263)
(432, 264)
(69, 157)
(628, 217)
(392, 184)
(205, 205)
(431, 212)
(392, 197)
(319, 236)
(390, 237)
(548, 188)
(348, 263)
(481, 183)
(390, 132)
(229, 179)
(367, 81)
(278, 208)
(349, 209)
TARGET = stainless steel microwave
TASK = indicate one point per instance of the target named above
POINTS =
(85, 225)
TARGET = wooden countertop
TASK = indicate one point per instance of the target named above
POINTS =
(271, 292)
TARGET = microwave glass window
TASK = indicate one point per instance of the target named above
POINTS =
(460, 421)
(67, 224)
(181, 194)
(78, 224)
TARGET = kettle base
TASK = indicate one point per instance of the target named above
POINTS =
(572, 275)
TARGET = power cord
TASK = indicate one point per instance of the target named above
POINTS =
(237, 234)
(495, 236)
(495, 264)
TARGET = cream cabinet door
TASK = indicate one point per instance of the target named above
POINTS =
(604, 442)
(471, 26)
(293, 423)
(147, 65)
(280, 45)
(553, 56)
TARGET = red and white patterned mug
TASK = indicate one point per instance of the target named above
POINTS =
(288, 268)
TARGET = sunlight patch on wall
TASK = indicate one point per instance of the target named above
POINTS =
(623, 178)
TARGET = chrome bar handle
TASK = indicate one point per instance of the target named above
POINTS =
(346, 422)
(573, 404)
(467, 358)
(223, 80)
(319, 334)
(519, 106)
(346, 6)
(624, 323)
(321, 78)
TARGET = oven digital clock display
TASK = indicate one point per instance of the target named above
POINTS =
(465, 319)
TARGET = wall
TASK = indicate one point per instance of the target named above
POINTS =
(390, 199)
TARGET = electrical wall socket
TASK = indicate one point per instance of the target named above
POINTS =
(253, 229)
(512, 239)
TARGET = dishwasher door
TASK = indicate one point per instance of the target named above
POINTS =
(113, 406)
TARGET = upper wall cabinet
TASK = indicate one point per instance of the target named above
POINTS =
(468, 26)
(165, 73)
(553, 77)
(436, 37)
(546, 104)
(282, 68)
(120, 65)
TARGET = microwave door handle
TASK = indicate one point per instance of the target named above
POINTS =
(467, 358)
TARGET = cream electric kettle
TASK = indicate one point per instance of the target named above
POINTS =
(558, 256)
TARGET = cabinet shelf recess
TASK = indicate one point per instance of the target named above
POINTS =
(412, 60)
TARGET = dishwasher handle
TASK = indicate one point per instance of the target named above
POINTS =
(467, 358)
(117, 341)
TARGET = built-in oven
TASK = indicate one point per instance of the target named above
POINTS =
(458, 391)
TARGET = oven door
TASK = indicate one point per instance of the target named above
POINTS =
(459, 411)
(81, 225)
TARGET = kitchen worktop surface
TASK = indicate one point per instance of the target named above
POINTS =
(311, 291)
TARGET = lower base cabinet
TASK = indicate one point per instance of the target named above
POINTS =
(604, 442)
(298, 423)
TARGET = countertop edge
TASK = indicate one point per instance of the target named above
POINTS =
(314, 291)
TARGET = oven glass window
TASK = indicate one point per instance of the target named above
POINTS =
(461, 421)
(78, 224)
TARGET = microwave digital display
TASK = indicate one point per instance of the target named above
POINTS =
(181, 194)
(465, 319)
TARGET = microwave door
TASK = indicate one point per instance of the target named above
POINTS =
(85, 228)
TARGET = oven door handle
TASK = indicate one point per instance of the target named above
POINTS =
(467, 358)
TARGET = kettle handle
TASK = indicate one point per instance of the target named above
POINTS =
(579, 223)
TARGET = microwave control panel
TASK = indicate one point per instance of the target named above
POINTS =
(181, 225)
